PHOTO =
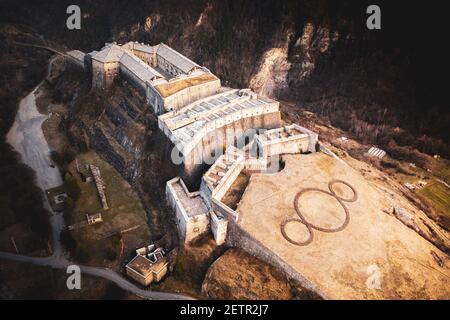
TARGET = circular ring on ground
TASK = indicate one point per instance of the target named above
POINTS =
(333, 182)
(313, 226)
(297, 243)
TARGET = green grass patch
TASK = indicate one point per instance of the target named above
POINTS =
(436, 195)
(101, 243)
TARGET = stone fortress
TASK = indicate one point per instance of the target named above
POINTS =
(206, 127)
(208, 124)
(192, 209)
(168, 79)
(193, 111)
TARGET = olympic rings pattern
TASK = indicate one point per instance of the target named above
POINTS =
(311, 226)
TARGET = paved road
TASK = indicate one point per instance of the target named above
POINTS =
(62, 263)
(27, 138)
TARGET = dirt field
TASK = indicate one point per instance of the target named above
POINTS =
(237, 275)
(374, 256)
(234, 194)
(175, 86)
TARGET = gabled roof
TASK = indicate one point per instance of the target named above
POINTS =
(77, 54)
(143, 47)
(176, 58)
(139, 68)
(110, 53)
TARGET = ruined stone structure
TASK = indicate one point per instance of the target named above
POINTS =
(100, 185)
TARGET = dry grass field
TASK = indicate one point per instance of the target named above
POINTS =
(173, 87)
(339, 264)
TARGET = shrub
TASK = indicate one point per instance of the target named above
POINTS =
(71, 185)
(110, 254)
(69, 205)
(67, 240)
(115, 239)
(82, 254)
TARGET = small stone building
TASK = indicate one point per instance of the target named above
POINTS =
(148, 268)
(290, 139)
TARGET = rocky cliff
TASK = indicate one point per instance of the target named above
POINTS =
(120, 127)
(381, 86)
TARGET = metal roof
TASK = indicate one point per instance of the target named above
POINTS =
(201, 113)
(110, 53)
(175, 58)
(140, 69)
(143, 47)
(77, 54)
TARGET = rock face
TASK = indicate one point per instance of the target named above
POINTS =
(121, 128)
(237, 275)
(116, 139)
(272, 74)
(310, 45)
(335, 65)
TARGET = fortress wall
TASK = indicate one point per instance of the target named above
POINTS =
(313, 137)
(226, 182)
(188, 227)
(175, 204)
(154, 99)
(133, 79)
(224, 210)
(293, 146)
(191, 94)
(196, 226)
(206, 193)
(218, 227)
(234, 128)
(144, 56)
(112, 69)
(167, 66)
(237, 237)
(103, 74)
(192, 170)
(73, 62)
(98, 75)
(255, 164)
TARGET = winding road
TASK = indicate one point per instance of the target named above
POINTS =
(27, 138)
